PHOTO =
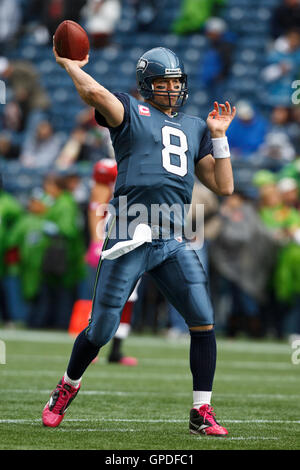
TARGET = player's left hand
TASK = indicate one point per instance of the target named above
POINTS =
(220, 118)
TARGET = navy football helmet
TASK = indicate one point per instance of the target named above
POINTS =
(160, 63)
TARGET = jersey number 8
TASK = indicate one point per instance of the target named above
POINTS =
(172, 149)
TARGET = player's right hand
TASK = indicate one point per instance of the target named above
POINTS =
(63, 61)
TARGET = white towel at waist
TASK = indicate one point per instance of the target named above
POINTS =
(142, 234)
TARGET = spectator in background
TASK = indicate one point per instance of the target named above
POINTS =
(289, 191)
(10, 22)
(276, 151)
(29, 99)
(100, 18)
(242, 254)
(72, 151)
(30, 242)
(247, 132)
(291, 170)
(41, 149)
(194, 14)
(85, 145)
(283, 222)
(63, 264)
(8, 149)
(281, 119)
(23, 79)
(146, 12)
(286, 119)
(282, 68)
(50, 13)
(88, 142)
(51, 254)
(285, 16)
(282, 219)
(10, 212)
(216, 59)
(75, 185)
(264, 177)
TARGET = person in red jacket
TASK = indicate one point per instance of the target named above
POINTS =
(104, 177)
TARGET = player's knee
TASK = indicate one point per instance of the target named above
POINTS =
(198, 308)
(103, 327)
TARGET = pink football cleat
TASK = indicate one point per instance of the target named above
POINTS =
(60, 399)
(203, 421)
(128, 361)
(123, 360)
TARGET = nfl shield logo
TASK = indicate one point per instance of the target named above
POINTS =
(144, 111)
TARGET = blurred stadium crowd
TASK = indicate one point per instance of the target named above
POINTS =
(244, 51)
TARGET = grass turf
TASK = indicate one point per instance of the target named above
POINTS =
(256, 396)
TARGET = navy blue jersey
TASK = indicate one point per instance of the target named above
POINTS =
(156, 154)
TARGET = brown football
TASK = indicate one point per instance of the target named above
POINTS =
(71, 41)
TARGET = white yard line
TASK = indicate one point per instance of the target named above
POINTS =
(238, 396)
(241, 438)
(117, 430)
(149, 421)
(108, 374)
(99, 430)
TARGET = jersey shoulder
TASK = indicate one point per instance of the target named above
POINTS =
(196, 120)
(139, 106)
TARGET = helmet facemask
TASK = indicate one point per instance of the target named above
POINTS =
(151, 94)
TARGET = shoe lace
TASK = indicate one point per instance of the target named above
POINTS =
(62, 397)
(209, 414)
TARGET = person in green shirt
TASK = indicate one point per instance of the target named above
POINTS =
(10, 212)
(194, 14)
(65, 214)
(291, 170)
(28, 237)
(51, 254)
(284, 222)
(282, 219)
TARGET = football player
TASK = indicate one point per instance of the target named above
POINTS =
(158, 151)
(104, 178)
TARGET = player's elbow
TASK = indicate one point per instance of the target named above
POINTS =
(92, 95)
(226, 190)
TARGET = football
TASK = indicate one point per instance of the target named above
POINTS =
(71, 41)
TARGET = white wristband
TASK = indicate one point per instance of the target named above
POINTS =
(221, 147)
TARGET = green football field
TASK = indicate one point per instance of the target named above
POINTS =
(256, 396)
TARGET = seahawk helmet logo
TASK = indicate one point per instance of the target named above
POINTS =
(142, 64)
